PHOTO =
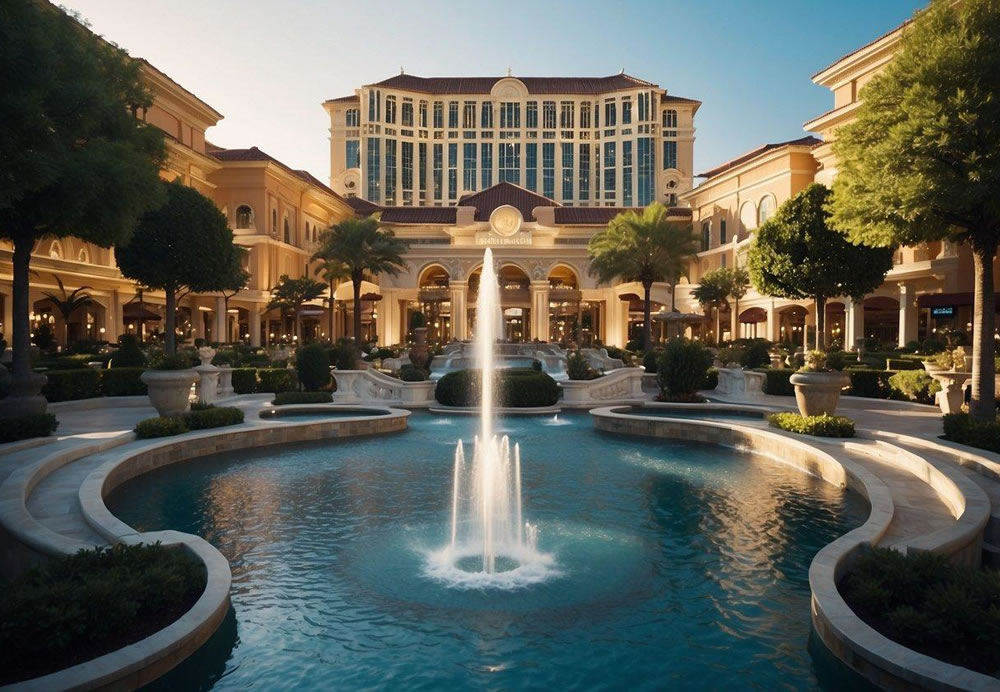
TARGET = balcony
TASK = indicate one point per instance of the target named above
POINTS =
(434, 294)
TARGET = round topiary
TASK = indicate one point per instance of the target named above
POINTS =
(313, 366)
(682, 368)
(128, 355)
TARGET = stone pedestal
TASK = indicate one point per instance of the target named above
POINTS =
(225, 381)
(952, 394)
(207, 389)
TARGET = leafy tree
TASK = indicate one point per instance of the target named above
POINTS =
(236, 279)
(68, 303)
(921, 161)
(739, 284)
(364, 248)
(797, 255)
(74, 157)
(291, 294)
(183, 246)
(643, 247)
(332, 270)
(712, 292)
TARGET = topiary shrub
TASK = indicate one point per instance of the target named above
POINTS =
(777, 382)
(70, 385)
(411, 373)
(122, 382)
(835, 360)
(128, 355)
(820, 426)
(245, 380)
(312, 363)
(161, 426)
(962, 428)
(516, 388)
(276, 380)
(756, 354)
(213, 417)
(417, 320)
(915, 385)
(577, 367)
(682, 368)
(903, 364)
(459, 388)
(286, 398)
(178, 361)
(649, 361)
(23, 427)
(873, 384)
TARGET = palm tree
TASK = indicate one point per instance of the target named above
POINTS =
(363, 247)
(68, 303)
(643, 247)
(292, 294)
(712, 292)
(332, 270)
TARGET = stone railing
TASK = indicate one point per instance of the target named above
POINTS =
(372, 387)
(620, 386)
(739, 382)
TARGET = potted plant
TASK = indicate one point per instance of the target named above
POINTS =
(817, 388)
(169, 384)
(419, 353)
(951, 370)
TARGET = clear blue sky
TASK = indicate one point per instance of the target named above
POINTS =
(267, 65)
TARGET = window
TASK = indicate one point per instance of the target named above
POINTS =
(609, 166)
(469, 168)
(647, 178)
(722, 232)
(274, 222)
(390, 171)
(706, 236)
(531, 115)
(510, 162)
(549, 168)
(584, 170)
(452, 171)
(567, 171)
(597, 115)
(585, 114)
(453, 114)
(566, 114)
(288, 232)
(244, 216)
(549, 115)
(610, 114)
(352, 117)
(438, 114)
(469, 115)
(644, 106)
(407, 119)
(626, 112)
(352, 158)
(531, 166)
(765, 209)
(669, 155)
(510, 115)
(438, 168)
(390, 109)
(374, 173)
(423, 113)
(372, 106)
(670, 118)
(422, 168)
(486, 158)
(407, 169)
(486, 114)
(627, 172)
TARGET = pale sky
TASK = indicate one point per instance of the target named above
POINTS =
(267, 65)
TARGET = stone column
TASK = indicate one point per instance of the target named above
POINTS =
(389, 323)
(459, 309)
(734, 322)
(540, 310)
(810, 322)
(907, 314)
(855, 327)
(8, 314)
(197, 319)
(221, 321)
(948, 249)
(253, 325)
(773, 323)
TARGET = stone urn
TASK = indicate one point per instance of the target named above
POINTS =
(24, 395)
(818, 392)
(952, 394)
(777, 360)
(170, 390)
(420, 352)
(206, 354)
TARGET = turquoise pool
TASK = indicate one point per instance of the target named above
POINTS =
(675, 566)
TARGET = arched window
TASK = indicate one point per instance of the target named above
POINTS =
(288, 232)
(706, 235)
(765, 210)
(748, 216)
(274, 222)
(55, 250)
(244, 216)
(722, 232)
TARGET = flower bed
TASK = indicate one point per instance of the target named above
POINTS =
(820, 426)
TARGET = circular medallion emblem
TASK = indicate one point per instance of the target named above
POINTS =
(505, 221)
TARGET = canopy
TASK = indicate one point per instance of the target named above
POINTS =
(138, 311)
(753, 315)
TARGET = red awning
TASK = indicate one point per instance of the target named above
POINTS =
(937, 300)
(753, 315)
(629, 297)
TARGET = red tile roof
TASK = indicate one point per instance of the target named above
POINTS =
(362, 206)
(255, 154)
(535, 85)
(434, 215)
(601, 216)
(502, 194)
(808, 141)
(344, 99)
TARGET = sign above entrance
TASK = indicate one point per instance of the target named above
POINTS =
(505, 228)
(943, 311)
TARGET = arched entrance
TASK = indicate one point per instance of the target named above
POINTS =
(882, 319)
(370, 297)
(434, 301)
(515, 301)
(792, 325)
(569, 319)
(753, 323)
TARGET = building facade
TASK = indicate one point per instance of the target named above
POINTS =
(613, 141)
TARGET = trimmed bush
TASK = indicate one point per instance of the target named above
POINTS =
(820, 426)
(777, 381)
(128, 355)
(577, 367)
(411, 373)
(276, 380)
(931, 605)
(835, 360)
(302, 398)
(459, 388)
(312, 364)
(213, 417)
(517, 388)
(161, 426)
(962, 428)
(903, 364)
(711, 379)
(648, 362)
(69, 385)
(915, 385)
(244, 380)
(178, 361)
(122, 382)
(756, 354)
(23, 427)
(873, 384)
(682, 368)
(76, 608)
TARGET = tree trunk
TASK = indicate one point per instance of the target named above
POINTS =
(356, 281)
(718, 325)
(673, 297)
(21, 340)
(820, 323)
(736, 318)
(332, 310)
(983, 403)
(647, 328)
(170, 329)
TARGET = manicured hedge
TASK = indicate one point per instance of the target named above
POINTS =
(23, 427)
(518, 388)
(411, 373)
(161, 426)
(821, 426)
(276, 380)
(122, 382)
(915, 385)
(200, 418)
(68, 385)
(873, 384)
(312, 364)
(711, 379)
(302, 398)
(245, 380)
(776, 381)
(77, 608)
(903, 364)
(962, 428)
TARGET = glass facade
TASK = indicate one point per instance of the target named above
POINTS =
(567, 171)
(422, 167)
(647, 171)
(549, 170)
(510, 115)
(531, 166)
(609, 167)
(584, 172)
(407, 114)
(487, 115)
(669, 155)
(438, 170)
(549, 115)
(406, 170)
(566, 112)
(390, 109)
(390, 171)
(469, 167)
(438, 114)
(626, 112)
(510, 163)
(626, 172)
(352, 154)
(452, 171)
(531, 115)
(374, 164)
(453, 114)
(486, 158)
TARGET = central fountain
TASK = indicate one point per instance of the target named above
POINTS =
(490, 543)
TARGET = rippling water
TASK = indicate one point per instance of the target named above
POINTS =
(679, 566)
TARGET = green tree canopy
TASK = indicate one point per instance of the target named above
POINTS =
(291, 294)
(186, 244)
(712, 292)
(332, 271)
(74, 157)
(68, 302)
(645, 247)
(921, 161)
(797, 255)
(364, 248)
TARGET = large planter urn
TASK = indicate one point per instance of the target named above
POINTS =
(818, 393)
(225, 381)
(170, 390)
(419, 352)
(777, 360)
(952, 394)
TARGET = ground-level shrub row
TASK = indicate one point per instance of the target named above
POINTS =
(198, 419)
(820, 426)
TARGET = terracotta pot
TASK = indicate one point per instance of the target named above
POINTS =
(817, 393)
(170, 390)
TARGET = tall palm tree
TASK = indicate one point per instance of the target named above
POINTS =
(643, 247)
(364, 247)
(331, 270)
(712, 292)
(68, 303)
(291, 294)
